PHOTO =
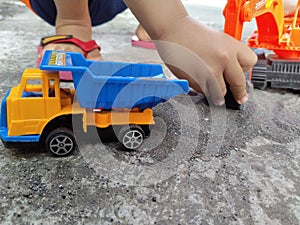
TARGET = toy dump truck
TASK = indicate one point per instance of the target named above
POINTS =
(105, 94)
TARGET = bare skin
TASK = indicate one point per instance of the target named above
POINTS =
(142, 33)
(76, 22)
(192, 50)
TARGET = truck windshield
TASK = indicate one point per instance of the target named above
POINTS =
(33, 88)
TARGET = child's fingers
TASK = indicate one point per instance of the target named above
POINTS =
(185, 64)
(235, 77)
(246, 57)
(234, 72)
(216, 88)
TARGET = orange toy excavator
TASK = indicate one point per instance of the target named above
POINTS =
(275, 32)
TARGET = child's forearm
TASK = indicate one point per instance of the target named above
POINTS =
(73, 18)
(157, 17)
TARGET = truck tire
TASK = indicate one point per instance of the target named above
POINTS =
(60, 142)
(131, 137)
(9, 145)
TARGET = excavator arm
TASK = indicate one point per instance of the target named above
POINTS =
(269, 16)
(274, 31)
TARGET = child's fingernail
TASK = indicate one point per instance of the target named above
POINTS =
(219, 102)
(243, 100)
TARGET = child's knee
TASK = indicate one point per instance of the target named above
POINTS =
(102, 11)
(44, 9)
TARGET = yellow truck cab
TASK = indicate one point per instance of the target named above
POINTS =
(36, 101)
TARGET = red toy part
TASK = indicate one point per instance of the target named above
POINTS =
(86, 47)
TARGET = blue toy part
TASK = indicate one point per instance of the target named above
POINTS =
(4, 130)
(23, 138)
(103, 84)
(3, 115)
(111, 92)
(27, 94)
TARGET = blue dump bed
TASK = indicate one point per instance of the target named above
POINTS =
(103, 84)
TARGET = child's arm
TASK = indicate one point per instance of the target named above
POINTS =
(204, 56)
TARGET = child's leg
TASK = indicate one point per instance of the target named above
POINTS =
(101, 11)
(76, 21)
(142, 33)
(44, 9)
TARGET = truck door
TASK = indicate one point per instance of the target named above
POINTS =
(38, 101)
(31, 106)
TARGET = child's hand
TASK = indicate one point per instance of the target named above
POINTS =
(193, 51)
(207, 58)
